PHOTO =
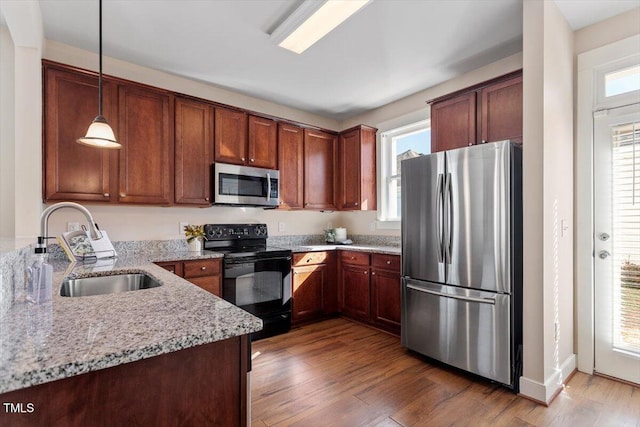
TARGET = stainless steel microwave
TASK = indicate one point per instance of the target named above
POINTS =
(245, 185)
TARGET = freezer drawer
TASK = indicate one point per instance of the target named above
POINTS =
(465, 328)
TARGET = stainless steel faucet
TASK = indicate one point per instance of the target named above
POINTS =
(41, 248)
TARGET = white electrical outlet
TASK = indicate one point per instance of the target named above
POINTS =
(372, 226)
(281, 226)
(73, 226)
(181, 226)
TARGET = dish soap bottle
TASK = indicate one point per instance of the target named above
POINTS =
(39, 280)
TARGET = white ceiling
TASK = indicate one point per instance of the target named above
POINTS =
(388, 50)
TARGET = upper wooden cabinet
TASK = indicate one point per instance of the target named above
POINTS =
(263, 143)
(145, 130)
(193, 151)
(291, 162)
(320, 172)
(73, 171)
(357, 169)
(501, 111)
(230, 140)
(142, 119)
(453, 122)
(489, 112)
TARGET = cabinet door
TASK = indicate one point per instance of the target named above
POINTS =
(73, 171)
(385, 299)
(291, 163)
(263, 134)
(350, 170)
(193, 151)
(211, 284)
(355, 292)
(146, 157)
(174, 267)
(320, 150)
(453, 122)
(230, 140)
(501, 105)
(308, 285)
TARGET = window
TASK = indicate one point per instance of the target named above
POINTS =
(622, 81)
(396, 145)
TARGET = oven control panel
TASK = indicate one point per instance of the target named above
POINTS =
(235, 231)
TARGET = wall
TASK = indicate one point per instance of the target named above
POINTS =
(606, 32)
(548, 204)
(25, 26)
(7, 152)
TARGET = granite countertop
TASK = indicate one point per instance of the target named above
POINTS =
(71, 336)
(385, 250)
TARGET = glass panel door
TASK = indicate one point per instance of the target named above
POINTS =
(617, 242)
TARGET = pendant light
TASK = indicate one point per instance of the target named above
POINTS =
(100, 133)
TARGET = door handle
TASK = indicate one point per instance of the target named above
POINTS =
(439, 218)
(448, 200)
(604, 254)
(268, 186)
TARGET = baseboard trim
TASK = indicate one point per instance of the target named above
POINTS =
(545, 393)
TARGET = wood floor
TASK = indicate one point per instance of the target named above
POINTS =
(339, 373)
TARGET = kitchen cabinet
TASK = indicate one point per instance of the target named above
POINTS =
(385, 292)
(145, 130)
(488, 112)
(320, 172)
(73, 171)
(314, 293)
(263, 143)
(354, 285)
(291, 163)
(357, 168)
(230, 136)
(193, 152)
(370, 289)
(204, 273)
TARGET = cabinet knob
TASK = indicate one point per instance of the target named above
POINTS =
(356, 203)
(172, 271)
(206, 198)
(388, 262)
(353, 257)
(295, 272)
(123, 195)
(242, 159)
(253, 160)
(470, 144)
(106, 194)
(366, 272)
(373, 273)
(484, 141)
(308, 259)
(203, 268)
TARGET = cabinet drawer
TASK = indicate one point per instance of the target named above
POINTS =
(387, 262)
(210, 284)
(172, 267)
(352, 257)
(309, 258)
(201, 268)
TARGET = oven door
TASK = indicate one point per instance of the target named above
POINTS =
(261, 286)
(244, 185)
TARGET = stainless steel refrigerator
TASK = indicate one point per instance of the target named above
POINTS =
(462, 258)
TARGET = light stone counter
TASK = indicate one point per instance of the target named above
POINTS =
(385, 250)
(71, 336)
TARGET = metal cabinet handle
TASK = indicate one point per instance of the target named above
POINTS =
(106, 194)
(206, 198)
(242, 159)
(604, 254)
(123, 195)
(366, 272)
(373, 273)
(308, 259)
(356, 203)
(203, 268)
(253, 160)
(388, 262)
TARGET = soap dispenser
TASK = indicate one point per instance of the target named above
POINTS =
(39, 280)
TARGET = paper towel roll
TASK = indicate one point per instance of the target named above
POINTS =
(341, 234)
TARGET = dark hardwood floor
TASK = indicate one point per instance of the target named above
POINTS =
(340, 373)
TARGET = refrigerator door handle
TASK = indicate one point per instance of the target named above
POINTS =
(448, 227)
(491, 301)
(439, 218)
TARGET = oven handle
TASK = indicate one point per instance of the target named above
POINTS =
(250, 260)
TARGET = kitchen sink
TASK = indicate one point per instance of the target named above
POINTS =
(87, 286)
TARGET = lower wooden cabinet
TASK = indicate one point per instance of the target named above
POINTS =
(205, 273)
(314, 288)
(370, 289)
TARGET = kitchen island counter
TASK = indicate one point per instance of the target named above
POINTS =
(71, 336)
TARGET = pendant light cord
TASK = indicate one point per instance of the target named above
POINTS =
(100, 66)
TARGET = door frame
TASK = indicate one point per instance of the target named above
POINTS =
(590, 65)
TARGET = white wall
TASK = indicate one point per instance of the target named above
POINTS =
(7, 152)
(25, 26)
(548, 200)
(608, 31)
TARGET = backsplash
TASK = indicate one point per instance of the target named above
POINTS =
(318, 239)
